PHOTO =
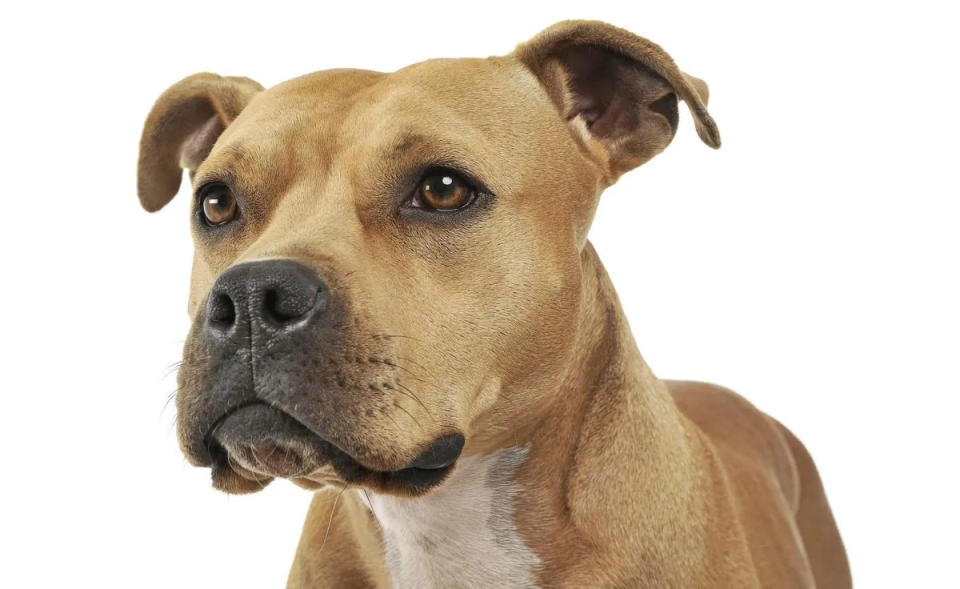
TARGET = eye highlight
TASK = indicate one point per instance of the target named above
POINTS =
(443, 190)
(218, 206)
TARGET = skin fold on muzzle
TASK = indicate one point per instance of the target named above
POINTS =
(264, 331)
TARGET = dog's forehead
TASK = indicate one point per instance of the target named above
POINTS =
(463, 86)
(484, 105)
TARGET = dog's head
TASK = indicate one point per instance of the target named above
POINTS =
(388, 265)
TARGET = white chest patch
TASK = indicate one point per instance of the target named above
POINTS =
(461, 534)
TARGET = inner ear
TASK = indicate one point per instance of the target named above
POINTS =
(183, 127)
(198, 145)
(623, 104)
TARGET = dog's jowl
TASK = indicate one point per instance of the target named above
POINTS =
(395, 305)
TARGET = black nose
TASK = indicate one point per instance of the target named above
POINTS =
(272, 295)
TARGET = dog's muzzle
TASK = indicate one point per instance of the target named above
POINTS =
(266, 398)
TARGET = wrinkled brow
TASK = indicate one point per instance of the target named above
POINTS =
(219, 165)
(411, 150)
(249, 168)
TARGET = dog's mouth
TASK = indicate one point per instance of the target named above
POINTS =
(255, 443)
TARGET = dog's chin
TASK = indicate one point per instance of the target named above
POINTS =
(257, 443)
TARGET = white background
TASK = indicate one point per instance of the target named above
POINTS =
(811, 263)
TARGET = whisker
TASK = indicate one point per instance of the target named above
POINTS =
(393, 420)
(413, 395)
(401, 408)
(370, 505)
(333, 512)
(170, 398)
(418, 365)
(273, 450)
(395, 336)
(412, 374)
(172, 368)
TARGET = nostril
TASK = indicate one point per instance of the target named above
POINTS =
(262, 297)
(286, 307)
(221, 312)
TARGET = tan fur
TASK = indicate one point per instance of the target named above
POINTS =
(504, 326)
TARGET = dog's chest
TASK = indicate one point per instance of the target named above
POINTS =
(462, 534)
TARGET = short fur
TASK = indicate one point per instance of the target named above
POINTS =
(498, 322)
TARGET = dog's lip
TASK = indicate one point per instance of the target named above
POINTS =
(259, 442)
(209, 438)
(425, 471)
(429, 468)
(442, 453)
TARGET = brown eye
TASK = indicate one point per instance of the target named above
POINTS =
(444, 191)
(218, 204)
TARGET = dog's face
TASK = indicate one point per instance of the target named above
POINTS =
(388, 265)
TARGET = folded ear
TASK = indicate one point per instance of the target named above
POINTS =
(617, 90)
(181, 129)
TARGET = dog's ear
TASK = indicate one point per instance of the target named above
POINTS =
(181, 129)
(617, 91)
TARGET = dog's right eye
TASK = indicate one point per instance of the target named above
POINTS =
(217, 204)
(443, 190)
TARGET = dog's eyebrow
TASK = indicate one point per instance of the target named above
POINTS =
(416, 149)
(231, 157)
(237, 154)
(417, 145)
(406, 142)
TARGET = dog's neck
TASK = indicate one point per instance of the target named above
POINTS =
(610, 464)
(614, 468)
(461, 534)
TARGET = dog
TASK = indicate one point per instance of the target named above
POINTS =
(394, 304)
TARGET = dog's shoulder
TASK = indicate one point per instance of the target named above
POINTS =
(747, 439)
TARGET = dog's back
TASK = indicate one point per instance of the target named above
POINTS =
(776, 488)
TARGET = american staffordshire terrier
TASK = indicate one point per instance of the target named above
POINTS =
(395, 304)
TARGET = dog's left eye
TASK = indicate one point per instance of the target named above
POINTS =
(443, 190)
(217, 204)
